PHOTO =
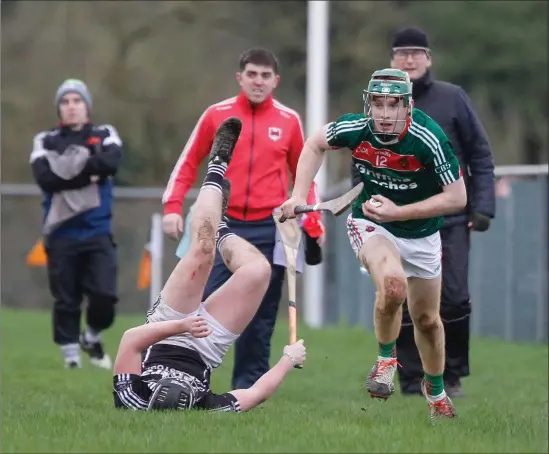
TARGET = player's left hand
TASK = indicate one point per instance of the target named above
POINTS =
(386, 212)
(479, 222)
(197, 326)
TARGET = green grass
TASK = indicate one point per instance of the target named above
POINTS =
(322, 408)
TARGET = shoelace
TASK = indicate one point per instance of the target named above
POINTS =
(383, 366)
(442, 406)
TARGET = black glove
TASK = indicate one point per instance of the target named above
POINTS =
(479, 222)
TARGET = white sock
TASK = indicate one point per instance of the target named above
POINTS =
(91, 336)
(382, 358)
(441, 396)
(70, 361)
(71, 352)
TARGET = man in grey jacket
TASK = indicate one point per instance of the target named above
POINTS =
(74, 165)
(451, 108)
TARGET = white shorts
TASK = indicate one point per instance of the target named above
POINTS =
(420, 257)
(211, 349)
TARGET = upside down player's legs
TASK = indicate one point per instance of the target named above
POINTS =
(183, 289)
(235, 303)
(253, 346)
(229, 309)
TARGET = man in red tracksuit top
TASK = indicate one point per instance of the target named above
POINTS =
(270, 142)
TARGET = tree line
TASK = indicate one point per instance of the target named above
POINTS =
(153, 67)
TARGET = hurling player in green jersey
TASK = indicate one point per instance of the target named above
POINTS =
(411, 179)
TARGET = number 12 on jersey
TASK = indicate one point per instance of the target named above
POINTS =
(381, 161)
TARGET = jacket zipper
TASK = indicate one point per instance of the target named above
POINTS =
(281, 185)
(250, 167)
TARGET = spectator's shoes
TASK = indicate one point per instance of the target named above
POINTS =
(225, 140)
(72, 364)
(441, 408)
(453, 389)
(96, 353)
(380, 379)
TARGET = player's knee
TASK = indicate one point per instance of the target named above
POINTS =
(207, 247)
(427, 322)
(259, 270)
(204, 228)
(204, 239)
(203, 251)
(393, 291)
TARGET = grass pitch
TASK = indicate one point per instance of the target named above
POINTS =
(322, 408)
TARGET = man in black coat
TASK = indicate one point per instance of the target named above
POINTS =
(451, 108)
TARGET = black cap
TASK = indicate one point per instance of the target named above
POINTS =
(410, 37)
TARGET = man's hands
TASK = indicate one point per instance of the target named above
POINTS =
(479, 222)
(288, 207)
(386, 212)
(173, 225)
(297, 353)
(196, 326)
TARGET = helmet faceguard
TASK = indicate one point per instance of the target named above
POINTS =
(172, 394)
(388, 83)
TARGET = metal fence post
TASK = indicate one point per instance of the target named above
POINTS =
(157, 256)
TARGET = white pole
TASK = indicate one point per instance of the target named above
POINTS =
(317, 113)
(156, 250)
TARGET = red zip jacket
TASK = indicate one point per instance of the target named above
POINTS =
(270, 142)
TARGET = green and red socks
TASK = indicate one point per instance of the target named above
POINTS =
(387, 351)
(435, 385)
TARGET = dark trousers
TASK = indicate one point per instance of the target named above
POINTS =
(455, 311)
(77, 268)
(253, 347)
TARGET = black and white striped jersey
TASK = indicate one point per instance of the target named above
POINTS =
(169, 361)
(130, 391)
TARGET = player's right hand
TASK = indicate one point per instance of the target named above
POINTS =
(297, 351)
(196, 326)
(173, 225)
(288, 207)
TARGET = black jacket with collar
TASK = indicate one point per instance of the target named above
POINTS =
(451, 108)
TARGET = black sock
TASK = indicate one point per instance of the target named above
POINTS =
(214, 175)
(223, 232)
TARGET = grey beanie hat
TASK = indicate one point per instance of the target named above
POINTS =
(73, 86)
